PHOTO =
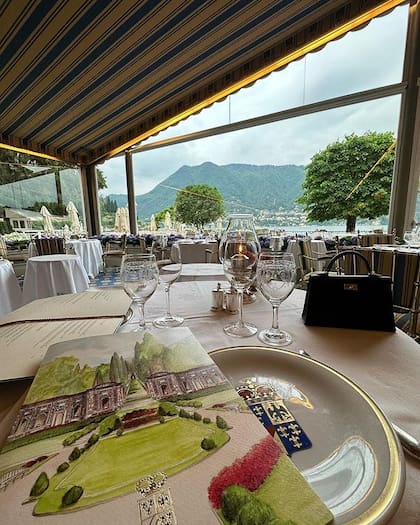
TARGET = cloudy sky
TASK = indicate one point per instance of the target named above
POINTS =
(363, 59)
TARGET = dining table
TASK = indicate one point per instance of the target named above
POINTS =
(10, 292)
(89, 250)
(384, 366)
(50, 275)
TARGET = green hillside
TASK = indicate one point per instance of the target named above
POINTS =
(245, 187)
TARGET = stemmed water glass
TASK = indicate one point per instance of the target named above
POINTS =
(169, 272)
(241, 249)
(139, 276)
(276, 279)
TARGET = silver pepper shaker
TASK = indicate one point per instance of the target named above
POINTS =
(217, 298)
(231, 298)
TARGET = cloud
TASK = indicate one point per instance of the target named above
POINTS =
(361, 60)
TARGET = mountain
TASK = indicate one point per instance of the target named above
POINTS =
(245, 187)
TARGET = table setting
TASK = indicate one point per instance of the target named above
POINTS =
(343, 402)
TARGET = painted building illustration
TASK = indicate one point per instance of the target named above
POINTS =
(61, 410)
(163, 385)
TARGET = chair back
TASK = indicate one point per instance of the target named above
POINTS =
(50, 246)
(406, 280)
(369, 239)
(3, 248)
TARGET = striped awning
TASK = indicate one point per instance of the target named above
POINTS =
(82, 80)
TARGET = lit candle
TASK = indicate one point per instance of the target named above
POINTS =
(239, 262)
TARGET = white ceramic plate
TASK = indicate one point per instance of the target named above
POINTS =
(355, 462)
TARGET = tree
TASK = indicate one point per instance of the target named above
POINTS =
(160, 216)
(198, 204)
(350, 179)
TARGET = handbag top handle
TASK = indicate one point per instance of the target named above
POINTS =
(343, 254)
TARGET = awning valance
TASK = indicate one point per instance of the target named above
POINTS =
(82, 80)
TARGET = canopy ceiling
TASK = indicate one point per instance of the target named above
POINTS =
(82, 80)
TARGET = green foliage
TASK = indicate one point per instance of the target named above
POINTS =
(62, 467)
(41, 484)
(255, 512)
(195, 403)
(233, 499)
(206, 420)
(162, 420)
(69, 440)
(94, 438)
(208, 444)
(119, 432)
(184, 413)
(72, 495)
(166, 408)
(62, 376)
(336, 171)
(199, 204)
(221, 423)
(197, 416)
(108, 205)
(75, 454)
(109, 424)
(160, 215)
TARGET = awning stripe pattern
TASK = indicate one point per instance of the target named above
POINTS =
(79, 79)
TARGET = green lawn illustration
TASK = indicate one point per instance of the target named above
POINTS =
(112, 466)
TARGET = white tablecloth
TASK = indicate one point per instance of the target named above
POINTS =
(202, 272)
(89, 251)
(49, 275)
(10, 292)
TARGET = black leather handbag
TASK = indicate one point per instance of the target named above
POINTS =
(349, 301)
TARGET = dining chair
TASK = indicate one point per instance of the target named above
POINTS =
(406, 297)
(369, 239)
(50, 245)
(18, 258)
(312, 260)
(114, 251)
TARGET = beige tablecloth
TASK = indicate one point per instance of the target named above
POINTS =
(385, 365)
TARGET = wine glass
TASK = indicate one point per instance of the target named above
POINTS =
(276, 279)
(169, 271)
(139, 276)
(241, 248)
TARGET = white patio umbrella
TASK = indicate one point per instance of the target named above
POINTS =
(46, 219)
(125, 221)
(73, 215)
(117, 223)
(219, 225)
(168, 222)
(153, 226)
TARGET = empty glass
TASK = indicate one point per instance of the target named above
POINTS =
(169, 272)
(276, 278)
(139, 276)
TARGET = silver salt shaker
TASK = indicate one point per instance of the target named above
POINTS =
(231, 298)
(218, 297)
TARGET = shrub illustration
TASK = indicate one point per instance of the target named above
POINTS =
(72, 495)
(233, 499)
(207, 444)
(62, 467)
(74, 454)
(221, 423)
(40, 485)
(255, 512)
(250, 471)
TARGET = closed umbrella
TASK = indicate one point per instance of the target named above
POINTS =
(153, 227)
(46, 219)
(168, 221)
(125, 221)
(73, 215)
(117, 223)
